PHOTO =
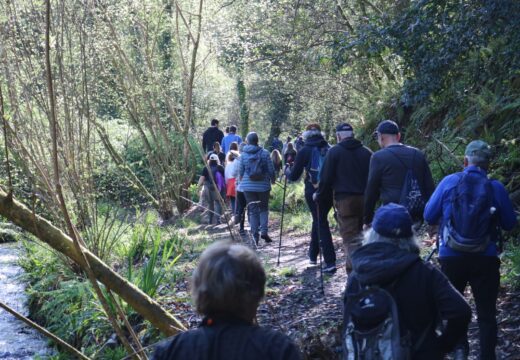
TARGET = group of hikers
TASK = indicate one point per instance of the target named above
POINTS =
(396, 305)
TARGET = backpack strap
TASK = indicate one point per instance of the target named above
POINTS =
(401, 161)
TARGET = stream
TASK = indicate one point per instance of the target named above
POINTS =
(17, 340)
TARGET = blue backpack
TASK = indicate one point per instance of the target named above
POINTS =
(469, 226)
(317, 159)
(255, 168)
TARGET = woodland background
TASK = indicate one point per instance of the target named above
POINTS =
(103, 105)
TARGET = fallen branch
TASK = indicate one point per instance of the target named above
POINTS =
(20, 215)
(44, 332)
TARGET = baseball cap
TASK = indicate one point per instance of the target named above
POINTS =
(479, 148)
(344, 127)
(393, 221)
(213, 157)
(387, 127)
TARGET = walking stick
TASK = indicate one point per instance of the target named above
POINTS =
(319, 244)
(281, 222)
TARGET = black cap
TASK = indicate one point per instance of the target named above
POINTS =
(344, 127)
(387, 127)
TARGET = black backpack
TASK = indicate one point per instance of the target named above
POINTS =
(412, 197)
(371, 327)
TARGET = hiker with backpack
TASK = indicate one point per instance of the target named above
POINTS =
(212, 193)
(226, 289)
(310, 158)
(256, 175)
(395, 304)
(472, 210)
(398, 173)
(345, 173)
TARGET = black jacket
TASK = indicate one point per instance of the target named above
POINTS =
(303, 157)
(387, 174)
(228, 339)
(422, 294)
(345, 169)
(209, 137)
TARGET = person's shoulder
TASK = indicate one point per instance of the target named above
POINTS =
(279, 345)
(174, 347)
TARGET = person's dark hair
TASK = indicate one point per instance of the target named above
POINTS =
(233, 129)
(228, 279)
(290, 147)
(233, 146)
(216, 145)
(213, 162)
(214, 122)
(252, 138)
(227, 130)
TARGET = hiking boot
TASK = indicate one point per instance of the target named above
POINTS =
(329, 269)
(266, 238)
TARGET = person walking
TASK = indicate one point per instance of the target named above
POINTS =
(472, 210)
(211, 135)
(226, 289)
(345, 173)
(232, 164)
(229, 138)
(217, 150)
(212, 193)
(241, 202)
(256, 175)
(289, 155)
(314, 141)
(389, 172)
(389, 258)
(285, 144)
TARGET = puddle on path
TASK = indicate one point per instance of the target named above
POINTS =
(17, 340)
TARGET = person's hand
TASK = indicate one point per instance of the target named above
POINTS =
(315, 197)
(366, 227)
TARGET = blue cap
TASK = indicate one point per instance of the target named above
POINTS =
(387, 127)
(393, 221)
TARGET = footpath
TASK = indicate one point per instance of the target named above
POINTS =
(295, 305)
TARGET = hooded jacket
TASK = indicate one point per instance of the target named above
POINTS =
(246, 184)
(423, 295)
(303, 157)
(345, 169)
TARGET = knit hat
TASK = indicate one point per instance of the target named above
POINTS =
(387, 127)
(252, 138)
(393, 221)
(478, 148)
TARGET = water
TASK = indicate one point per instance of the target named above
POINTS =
(17, 340)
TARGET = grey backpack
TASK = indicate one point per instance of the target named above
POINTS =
(371, 329)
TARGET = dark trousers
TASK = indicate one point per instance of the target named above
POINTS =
(483, 275)
(320, 223)
(241, 208)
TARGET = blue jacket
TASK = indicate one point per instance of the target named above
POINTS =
(438, 210)
(247, 184)
(228, 139)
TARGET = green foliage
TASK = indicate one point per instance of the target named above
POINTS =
(512, 264)
(294, 197)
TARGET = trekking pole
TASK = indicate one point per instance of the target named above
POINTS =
(281, 222)
(319, 246)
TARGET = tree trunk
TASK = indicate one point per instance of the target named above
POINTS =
(244, 108)
(45, 231)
